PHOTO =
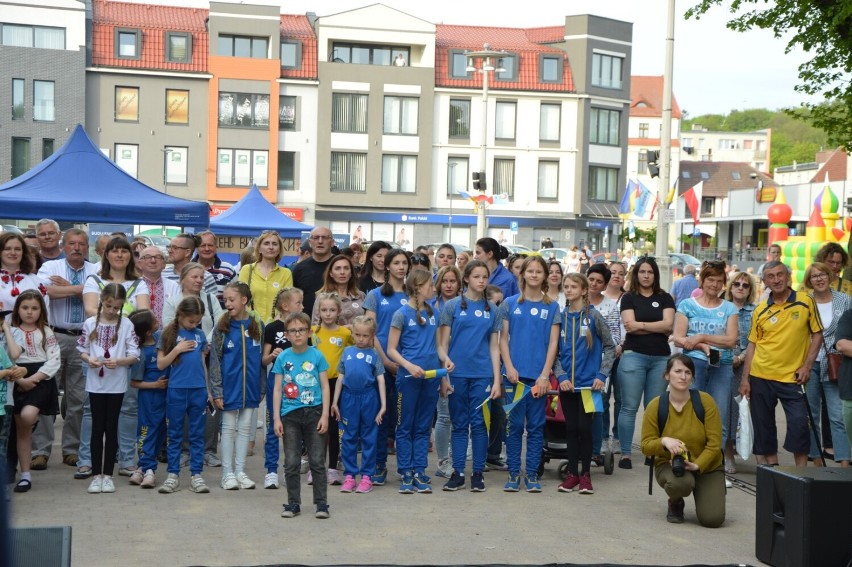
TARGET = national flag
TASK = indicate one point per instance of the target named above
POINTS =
(592, 400)
(692, 196)
(643, 197)
(672, 193)
(625, 209)
(631, 230)
(520, 392)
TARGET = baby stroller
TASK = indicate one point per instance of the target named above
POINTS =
(555, 444)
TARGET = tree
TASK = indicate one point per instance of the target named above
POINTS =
(822, 28)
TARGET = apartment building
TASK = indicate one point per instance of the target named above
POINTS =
(753, 148)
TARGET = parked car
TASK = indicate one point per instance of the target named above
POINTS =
(560, 254)
(160, 242)
(519, 249)
(458, 247)
(678, 260)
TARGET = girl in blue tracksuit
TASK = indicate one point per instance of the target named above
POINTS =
(469, 332)
(237, 380)
(359, 404)
(528, 348)
(412, 344)
(151, 383)
(182, 348)
(586, 353)
(380, 305)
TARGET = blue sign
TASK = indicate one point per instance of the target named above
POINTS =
(513, 226)
(96, 229)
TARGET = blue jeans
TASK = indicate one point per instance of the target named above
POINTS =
(127, 420)
(639, 375)
(84, 454)
(835, 414)
(601, 421)
(716, 381)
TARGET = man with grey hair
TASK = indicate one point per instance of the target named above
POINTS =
(181, 249)
(151, 264)
(64, 280)
(207, 256)
(48, 234)
(308, 274)
(683, 288)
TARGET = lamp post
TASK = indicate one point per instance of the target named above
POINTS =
(662, 249)
(487, 58)
(451, 189)
(166, 152)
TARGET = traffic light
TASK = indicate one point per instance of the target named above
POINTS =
(479, 182)
(653, 157)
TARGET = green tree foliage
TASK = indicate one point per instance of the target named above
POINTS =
(822, 28)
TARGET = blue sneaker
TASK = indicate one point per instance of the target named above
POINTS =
(425, 477)
(421, 485)
(380, 477)
(477, 482)
(513, 484)
(406, 486)
(533, 485)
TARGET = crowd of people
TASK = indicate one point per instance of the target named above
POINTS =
(357, 354)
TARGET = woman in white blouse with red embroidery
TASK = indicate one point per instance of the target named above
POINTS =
(17, 271)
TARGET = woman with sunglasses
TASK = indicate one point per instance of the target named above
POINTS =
(742, 292)
(648, 314)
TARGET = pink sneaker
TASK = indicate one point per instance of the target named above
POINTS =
(586, 484)
(348, 484)
(365, 486)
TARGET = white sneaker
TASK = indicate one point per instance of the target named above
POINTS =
(149, 480)
(310, 478)
(107, 485)
(211, 460)
(728, 484)
(270, 480)
(333, 476)
(229, 482)
(305, 466)
(197, 484)
(96, 486)
(172, 484)
(244, 481)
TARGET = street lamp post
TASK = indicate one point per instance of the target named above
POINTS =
(166, 152)
(488, 58)
(662, 249)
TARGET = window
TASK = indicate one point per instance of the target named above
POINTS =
(747, 144)
(705, 175)
(287, 170)
(127, 104)
(178, 47)
(509, 64)
(349, 113)
(32, 36)
(707, 205)
(176, 164)
(603, 183)
(504, 127)
(687, 142)
(736, 175)
(550, 69)
(128, 44)
(126, 157)
(725, 144)
(44, 107)
(642, 163)
(291, 55)
(457, 168)
(643, 129)
(604, 127)
(686, 174)
(177, 107)
(18, 102)
(20, 156)
(401, 115)
(550, 121)
(368, 54)
(504, 177)
(244, 46)
(607, 71)
(242, 168)
(349, 172)
(287, 112)
(459, 118)
(458, 65)
(548, 180)
(399, 174)
(46, 148)
(243, 110)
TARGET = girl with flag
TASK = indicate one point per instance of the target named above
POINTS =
(586, 353)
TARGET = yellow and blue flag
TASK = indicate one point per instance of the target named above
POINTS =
(592, 400)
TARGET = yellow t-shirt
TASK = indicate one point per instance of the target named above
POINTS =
(264, 289)
(331, 345)
(781, 335)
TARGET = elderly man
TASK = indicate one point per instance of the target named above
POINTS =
(773, 255)
(207, 256)
(785, 337)
(151, 264)
(64, 282)
(181, 249)
(308, 274)
(48, 234)
(683, 288)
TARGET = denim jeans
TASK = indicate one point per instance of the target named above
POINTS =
(84, 455)
(237, 427)
(127, 425)
(601, 428)
(300, 428)
(639, 376)
(716, 381)
(815, 389)
(443, 427)
(847, 418)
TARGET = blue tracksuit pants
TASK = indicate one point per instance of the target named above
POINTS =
(416, 400)
(358, 409)
(151, 427)
(528, 413)
(388, 425)
(189, 404)
(469, 421)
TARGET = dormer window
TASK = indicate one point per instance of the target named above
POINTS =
(128, 43)
(291, 55)
(178, 47)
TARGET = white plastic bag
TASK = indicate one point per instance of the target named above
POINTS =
(745, 431)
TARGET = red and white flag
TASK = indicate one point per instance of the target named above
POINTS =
(692, 196)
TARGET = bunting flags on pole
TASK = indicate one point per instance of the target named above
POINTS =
(625, 209)
(643, 198)
(692, 196)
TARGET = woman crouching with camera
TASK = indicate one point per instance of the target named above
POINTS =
(687, 449)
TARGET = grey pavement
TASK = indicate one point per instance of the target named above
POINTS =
(620, 523)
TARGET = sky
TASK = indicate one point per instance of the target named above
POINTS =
(715, 70)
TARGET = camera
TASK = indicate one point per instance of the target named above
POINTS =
(679, 465)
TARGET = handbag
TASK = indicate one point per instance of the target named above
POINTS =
(833, 359)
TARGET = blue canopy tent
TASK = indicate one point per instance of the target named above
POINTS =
(253, 214)
(79, 183)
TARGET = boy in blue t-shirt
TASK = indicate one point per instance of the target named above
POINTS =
(300, 406)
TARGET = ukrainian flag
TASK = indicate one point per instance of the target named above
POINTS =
(592, 400)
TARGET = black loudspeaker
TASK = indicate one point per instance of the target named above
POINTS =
(41, 547)
(804, 517)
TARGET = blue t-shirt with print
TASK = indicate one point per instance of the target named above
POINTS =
(530, 324)
(384, 307)
(188, 371)
(471, 326)
(360, 367)
(707, 321)
(300, 378)
(417, 341)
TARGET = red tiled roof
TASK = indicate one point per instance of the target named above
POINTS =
(720, 179)
(835, 167)
(646, 97)
(549, 34)
(153, 21)
(298, 27)
(513, 40)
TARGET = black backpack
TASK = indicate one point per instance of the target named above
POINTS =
(663, 417)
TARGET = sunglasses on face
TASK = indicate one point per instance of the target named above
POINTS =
(743, 285)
